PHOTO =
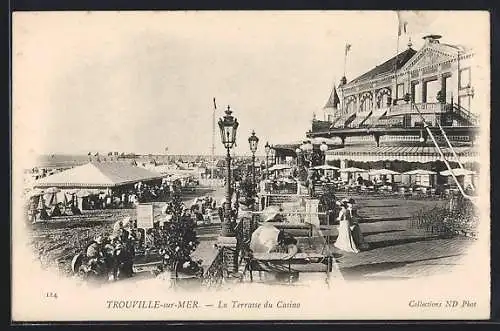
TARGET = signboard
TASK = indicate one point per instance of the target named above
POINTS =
(145, 216)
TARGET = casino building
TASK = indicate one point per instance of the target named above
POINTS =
(379, 116)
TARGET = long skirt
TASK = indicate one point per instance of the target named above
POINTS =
(345, 240)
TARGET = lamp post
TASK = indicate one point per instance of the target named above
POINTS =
(253, 140)
(298, 151)
(267, 148)
(323, 148)
(307, 150)
(272, 152)
(228, 126)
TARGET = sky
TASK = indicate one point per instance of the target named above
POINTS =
(144, 81)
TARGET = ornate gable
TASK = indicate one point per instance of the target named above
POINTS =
(428, 55)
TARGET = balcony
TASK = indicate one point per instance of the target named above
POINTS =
(424, 108)
(318, 125)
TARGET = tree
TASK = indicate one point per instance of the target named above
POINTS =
(178, 237)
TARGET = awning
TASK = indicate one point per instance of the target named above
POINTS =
(343, 120)
(360, 118)
(402, 153)
(375, 116)
(98, 174)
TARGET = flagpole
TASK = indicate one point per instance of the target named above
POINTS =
(396, 64)
(213, 138)
(345, 59)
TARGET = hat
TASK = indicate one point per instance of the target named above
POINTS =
(99, 239)
(126, 221)
(351, 201)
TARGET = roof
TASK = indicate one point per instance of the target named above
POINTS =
(98, 174)
(388, 66)
(333, 100)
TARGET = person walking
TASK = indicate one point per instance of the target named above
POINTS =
(357, 235)
(345, 240)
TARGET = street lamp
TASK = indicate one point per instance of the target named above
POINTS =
(307, 149)
(323, 148)
(298, 151)
(253, 140)
(272, 152)
(228, 126)
(267, 148)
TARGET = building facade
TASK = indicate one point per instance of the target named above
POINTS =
(437, 79)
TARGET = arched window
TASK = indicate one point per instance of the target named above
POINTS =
(366, 102)
(384, 98)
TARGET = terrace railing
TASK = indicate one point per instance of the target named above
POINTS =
(433, 107)
(214, 274)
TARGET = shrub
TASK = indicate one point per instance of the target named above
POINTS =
(462, 219)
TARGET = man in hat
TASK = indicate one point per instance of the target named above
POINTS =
(355, 228)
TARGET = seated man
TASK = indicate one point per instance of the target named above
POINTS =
(289, 243)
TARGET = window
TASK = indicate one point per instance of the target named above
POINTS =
(400, 91)
(464, 76)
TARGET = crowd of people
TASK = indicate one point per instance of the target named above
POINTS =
(111, 255)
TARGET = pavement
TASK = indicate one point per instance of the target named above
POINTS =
(397, 250)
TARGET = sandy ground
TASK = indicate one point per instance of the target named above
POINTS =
(56, 241)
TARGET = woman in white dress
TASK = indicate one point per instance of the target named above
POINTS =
(345, 240)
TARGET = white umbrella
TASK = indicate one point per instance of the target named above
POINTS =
(325, 167)
(419, 172)
(269, 213)
(383, 172)
(458, 172)
(264, 238)
(52, 190)
(352, 169)
(35, 193)
(279, 167)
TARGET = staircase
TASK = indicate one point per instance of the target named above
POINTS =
(465, 117)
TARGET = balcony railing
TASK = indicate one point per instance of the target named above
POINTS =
(215, 273)
(422, 107)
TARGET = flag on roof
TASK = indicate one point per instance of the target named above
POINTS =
(414, 21)
(347, 48)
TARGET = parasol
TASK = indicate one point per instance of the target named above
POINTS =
(269, 213)
(419, 172)
(279, 167)
(325, 167)
(352, 169)
(457, 172)
(52, 190)
(36, 193)
(383, 172)
(264, 238)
